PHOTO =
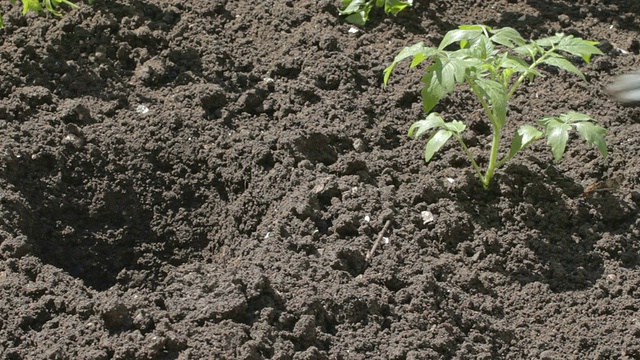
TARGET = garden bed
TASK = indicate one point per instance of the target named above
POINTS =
(205, 180)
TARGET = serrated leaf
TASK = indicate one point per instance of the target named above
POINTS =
(550, 40)
(530, 50)
(459, 35)
(440, 79)
(593, 135)
(426, 53)
(433, 120)
(579, 47)
(432, 91)
(525, 135)
(496, 96)
(455, 126)
(573, 116)
(435, 142)
(515, 63)
(482, 48)
(563, 64)
(508, 37)
(449, 71)
(409, 51)
(557, 133)
(418, 51)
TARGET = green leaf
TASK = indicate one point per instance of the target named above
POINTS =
(525, 135)
(440, 79)
(579, 47)
(564, 64)
(28, 5)
(449, 71)
(593, 135)
(455, 126)
(531, 50)
(506, 75)
(482, 48)
(573, 116)
(419, 53)
(438, 138)
(358, 10)
(495, 94)
(358, 18)
(435, 142)
(351, 6)
(559, 127)
(433, 120)
(557, 133)
(432, 91)
(515, 63)
(468, 33)
(426, 53)
(549, 41)
(508, 37)
(395, 6)
(483, 28)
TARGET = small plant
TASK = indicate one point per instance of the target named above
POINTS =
(493, 77)
(357, 11)
(38, 5)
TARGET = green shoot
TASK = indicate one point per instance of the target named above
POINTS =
(39, 5)
(357, 11)
(493, 76)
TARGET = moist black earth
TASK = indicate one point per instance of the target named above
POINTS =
(206, 179)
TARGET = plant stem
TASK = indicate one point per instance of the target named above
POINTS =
(493, 159)
(531, 67)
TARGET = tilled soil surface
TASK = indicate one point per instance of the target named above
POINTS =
(204, 180)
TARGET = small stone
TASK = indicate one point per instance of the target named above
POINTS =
(564, 20)
(142, 109)
(427, 217)
(73, 136)
(358, 145)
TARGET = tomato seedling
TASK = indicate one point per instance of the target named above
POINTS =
(37, 5)
(493, 76)
(357, 11)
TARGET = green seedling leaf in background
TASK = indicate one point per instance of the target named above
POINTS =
(39, 5)
(357, 11)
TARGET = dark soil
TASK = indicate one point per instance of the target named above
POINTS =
(204, 180)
